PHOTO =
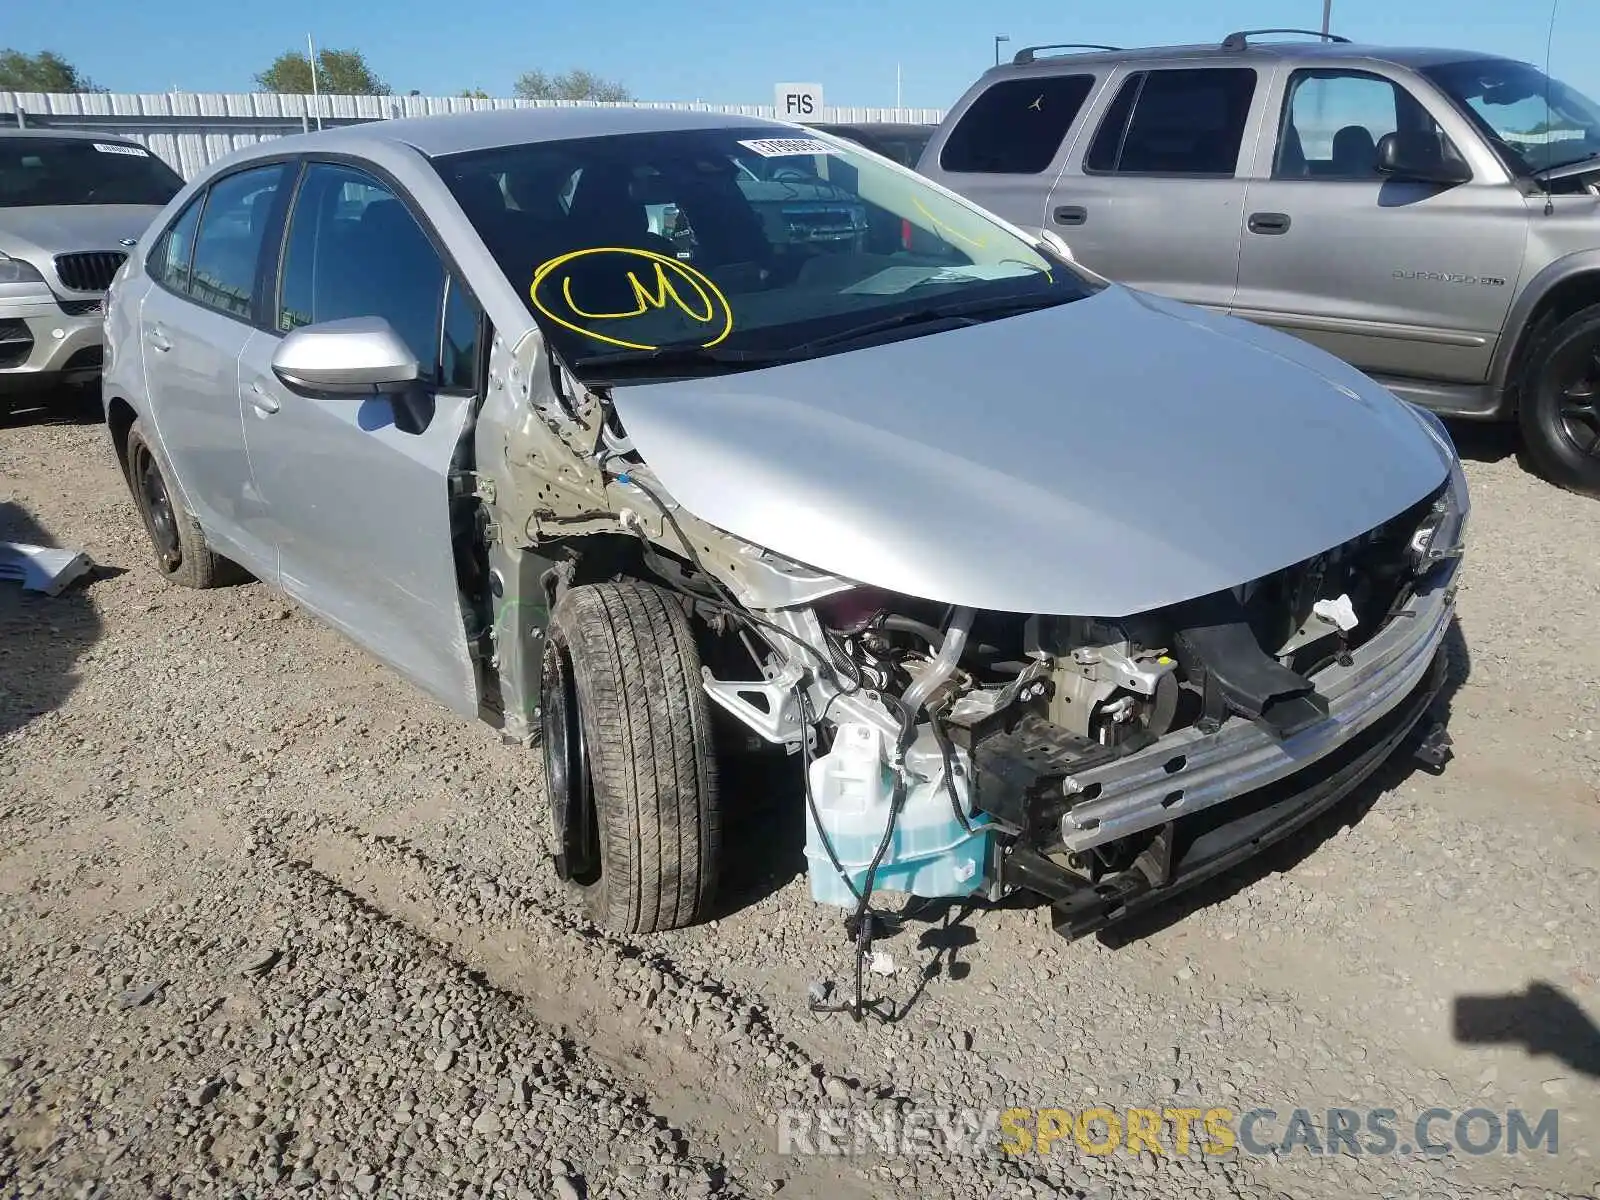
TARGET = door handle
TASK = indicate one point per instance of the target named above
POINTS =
(262, 400)
(1071, 214)
(158, 340)
(1269, 223)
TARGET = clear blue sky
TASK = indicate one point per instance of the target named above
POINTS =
(725, 51)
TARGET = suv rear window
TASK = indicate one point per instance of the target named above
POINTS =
(1016, 126)
(1178, 122)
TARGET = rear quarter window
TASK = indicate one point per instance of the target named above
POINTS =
(1016, 126)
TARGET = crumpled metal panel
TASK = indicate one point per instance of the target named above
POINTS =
(42, 568)
(1107, 457)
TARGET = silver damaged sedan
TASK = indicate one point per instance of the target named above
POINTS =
(654, 438)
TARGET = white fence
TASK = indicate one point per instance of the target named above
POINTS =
(192, 129)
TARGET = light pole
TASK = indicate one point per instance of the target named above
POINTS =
(998, 38)
(1327, 16)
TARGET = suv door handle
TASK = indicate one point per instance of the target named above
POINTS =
(158, 340)
(1071, 214)
(262, 400)
(1265, 222)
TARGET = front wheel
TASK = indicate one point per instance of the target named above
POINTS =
(1560, 409)
(630, 770)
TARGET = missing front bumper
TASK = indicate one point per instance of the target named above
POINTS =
(1188, 850)
(1189, 771)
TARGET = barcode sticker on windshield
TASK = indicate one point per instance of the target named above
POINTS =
(780, 147)
(113, 148)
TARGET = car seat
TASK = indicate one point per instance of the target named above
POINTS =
(1355, 153)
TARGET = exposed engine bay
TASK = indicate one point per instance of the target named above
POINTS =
(952, 752)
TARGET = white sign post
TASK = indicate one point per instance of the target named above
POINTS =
(798, 101)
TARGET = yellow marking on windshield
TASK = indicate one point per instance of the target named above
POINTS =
(945, 229)
(687, 289)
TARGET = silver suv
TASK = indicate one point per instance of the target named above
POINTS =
(71, 204)
(1431, 216)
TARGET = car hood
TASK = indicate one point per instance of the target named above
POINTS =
(41, 233)
(1103, 457)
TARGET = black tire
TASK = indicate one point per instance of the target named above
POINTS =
(179, 546)
(630, 767)
(1559, 407)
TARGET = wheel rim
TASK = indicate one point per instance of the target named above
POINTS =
(1577, 380)
(573, 824)
(159, 518)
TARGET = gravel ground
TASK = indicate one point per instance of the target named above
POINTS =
(272, 922)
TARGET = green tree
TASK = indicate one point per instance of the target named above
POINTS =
(474, 94)
(45, 71)
(339, 73)
(571, 85)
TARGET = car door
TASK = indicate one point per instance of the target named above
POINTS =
(357, 489)
(194, 322)
(1155, 199)
(1399, 278)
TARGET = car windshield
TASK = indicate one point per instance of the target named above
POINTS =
(1533, 121)
(904, 145)
(737, 242)
(36, 172)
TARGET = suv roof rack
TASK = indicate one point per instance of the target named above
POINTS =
(1028, 53)
(1240, 40)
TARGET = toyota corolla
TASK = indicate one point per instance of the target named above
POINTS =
(1044, 584)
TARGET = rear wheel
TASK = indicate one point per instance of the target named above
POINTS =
(1559, 412)
(630, 770)
(181, 553)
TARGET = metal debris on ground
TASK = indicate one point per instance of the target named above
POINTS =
(42, 568)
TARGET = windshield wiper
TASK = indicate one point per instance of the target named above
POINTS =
(671, 357)
(1578, 166)
(970, 312)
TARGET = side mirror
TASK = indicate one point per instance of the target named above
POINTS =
(356, 356)
(1420, 158)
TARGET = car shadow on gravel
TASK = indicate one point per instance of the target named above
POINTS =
(58, 406)
(1542, 1020)
(1302, 843)
(41, 637)
(1485, 441)
(764, 834)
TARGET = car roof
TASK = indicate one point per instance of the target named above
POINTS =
(1273, 52)
(456, 133)
(77, 135)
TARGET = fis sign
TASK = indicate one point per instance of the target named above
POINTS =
(798, 101)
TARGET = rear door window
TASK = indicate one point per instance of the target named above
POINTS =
(169, 261)
(1016, 127)
(227, 247)
(1176, 122)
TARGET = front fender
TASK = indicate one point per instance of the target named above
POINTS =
(1519, 319)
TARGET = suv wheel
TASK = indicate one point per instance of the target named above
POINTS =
(181, 553)
(630, 771)
(1560, 408)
